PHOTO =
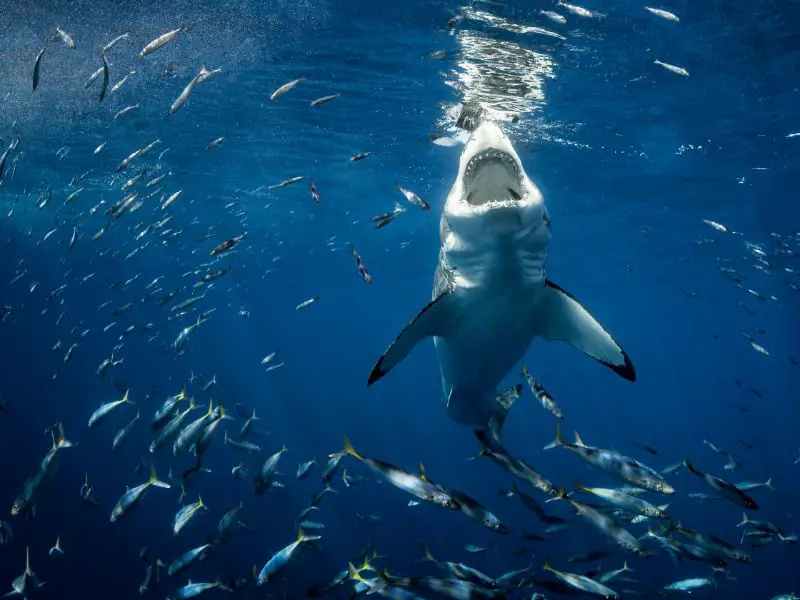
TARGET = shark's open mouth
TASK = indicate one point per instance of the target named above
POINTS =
(492, 176)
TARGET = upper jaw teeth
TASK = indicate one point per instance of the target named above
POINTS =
(505, 157)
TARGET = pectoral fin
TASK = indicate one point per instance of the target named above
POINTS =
(433, 320)
(566, 320)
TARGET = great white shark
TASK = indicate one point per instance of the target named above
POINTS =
(491, 294)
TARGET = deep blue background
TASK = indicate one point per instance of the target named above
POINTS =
(630, 159)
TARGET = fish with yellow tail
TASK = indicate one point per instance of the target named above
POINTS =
(582, 583)
(283, 557)
(620, 466)
(416, 485)
(134, 495)
(35, 483)
(186, 515)
(26, 584)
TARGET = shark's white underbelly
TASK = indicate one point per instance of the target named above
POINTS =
(494, 330)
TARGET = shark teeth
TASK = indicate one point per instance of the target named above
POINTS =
(476, 162)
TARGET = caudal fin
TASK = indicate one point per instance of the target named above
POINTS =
(153, 480)
(348, 448)
(559, 441)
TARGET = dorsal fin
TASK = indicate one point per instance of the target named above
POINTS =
(579, 441)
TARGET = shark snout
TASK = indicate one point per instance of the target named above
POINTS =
(488, 136)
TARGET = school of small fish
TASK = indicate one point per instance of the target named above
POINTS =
(634, 517)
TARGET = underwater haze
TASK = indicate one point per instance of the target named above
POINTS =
(232, 211)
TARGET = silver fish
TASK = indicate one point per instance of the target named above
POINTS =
(113, 43)
(66, 38)
(282, 558)
(324, 99)
(161, 40)
(134, 495)
(186, 514)
(284, 88)
(622, 467)
(123, 433)
(102, 412)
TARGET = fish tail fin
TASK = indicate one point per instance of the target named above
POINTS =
(768, 484)
(559, 441)
(28, 560)
(192, 404)
(546, 566)
(154, 480)
(429, 556)
(690, 467)
(353, 573)
(200, 502)
(126, 399)
(348, 447)
(745, 520)
(61, 441)
(626, 568)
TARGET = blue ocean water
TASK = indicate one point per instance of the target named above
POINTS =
(630, 158)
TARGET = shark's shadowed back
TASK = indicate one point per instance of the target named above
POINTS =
(491, 296)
